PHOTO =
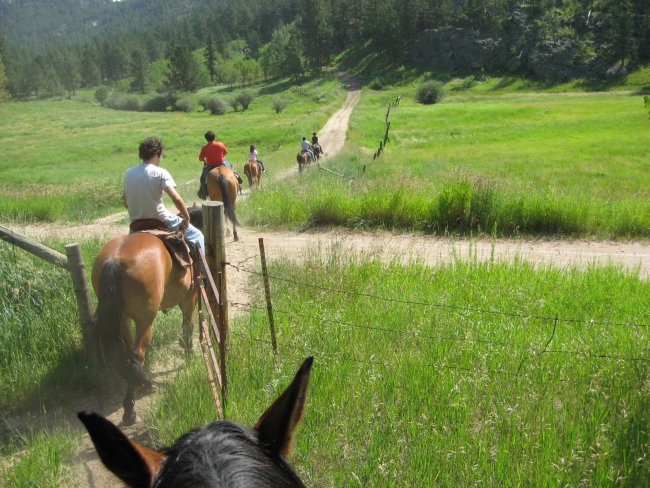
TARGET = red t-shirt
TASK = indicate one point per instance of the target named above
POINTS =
(213, 153)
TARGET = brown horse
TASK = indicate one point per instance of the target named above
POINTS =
(213, 456)
(223, 186)
(253, 173)
(303, 159)
(133, 277)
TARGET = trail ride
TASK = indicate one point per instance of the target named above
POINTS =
(429, 250)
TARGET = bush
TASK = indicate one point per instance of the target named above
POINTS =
(279, 104)
(101, 94)
(185, 104)
(215, 105)
(132, 103)
(377, 84)
(430, 92)
(156, 104)
(245, 97)
(122, 102)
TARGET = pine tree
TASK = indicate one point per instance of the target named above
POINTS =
(211, 59)
(4, 94)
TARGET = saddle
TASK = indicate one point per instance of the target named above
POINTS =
(174, 241)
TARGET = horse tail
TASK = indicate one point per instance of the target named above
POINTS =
(228, 205)
(112, 350)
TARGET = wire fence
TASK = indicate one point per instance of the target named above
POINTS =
(521, 353)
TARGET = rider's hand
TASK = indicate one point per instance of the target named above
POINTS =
(184, 225)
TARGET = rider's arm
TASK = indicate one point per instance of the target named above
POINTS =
(124, 200)
(180, 205)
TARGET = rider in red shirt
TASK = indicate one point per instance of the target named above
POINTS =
(213, 154)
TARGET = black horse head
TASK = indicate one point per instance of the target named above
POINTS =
(217, 455)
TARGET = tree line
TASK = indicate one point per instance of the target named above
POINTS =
(244, 41)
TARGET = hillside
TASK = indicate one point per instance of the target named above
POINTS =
(39, 25)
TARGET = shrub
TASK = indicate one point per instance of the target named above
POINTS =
(215, 105)
(131, 103)
(185, 104)
(156, 104)
(430, 92)
(279, 104)
(101, 94)
(245, 97)
(123, 102)
(377, 84)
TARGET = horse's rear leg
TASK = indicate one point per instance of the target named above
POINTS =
(143, 336)
(187, 306)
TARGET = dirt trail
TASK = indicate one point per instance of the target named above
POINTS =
(88, 470)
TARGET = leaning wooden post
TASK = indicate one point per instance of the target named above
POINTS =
(214, 225)
(267, 292)
(84, 305)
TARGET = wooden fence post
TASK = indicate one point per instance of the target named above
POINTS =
(84, 304)
(267, 292)
(215, 253)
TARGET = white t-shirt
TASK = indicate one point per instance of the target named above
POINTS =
(144, 185)
(305, 146)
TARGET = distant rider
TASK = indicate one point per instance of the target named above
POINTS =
(252, 156)
(307, 147)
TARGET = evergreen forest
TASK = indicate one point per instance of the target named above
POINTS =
(55, 47)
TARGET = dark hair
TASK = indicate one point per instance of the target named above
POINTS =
(150, 147)
(252, 148)
(210, 136)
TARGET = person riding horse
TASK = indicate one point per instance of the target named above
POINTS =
(317, 148)
(306, 147)
(213, 154)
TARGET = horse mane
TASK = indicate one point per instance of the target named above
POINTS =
(224, 454)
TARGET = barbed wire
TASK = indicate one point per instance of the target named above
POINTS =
(442, 305)
(443, 338)
(492, 372)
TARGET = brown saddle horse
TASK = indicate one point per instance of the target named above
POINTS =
(253, 173)
(134, 276)
(223, 187)
(303, 159)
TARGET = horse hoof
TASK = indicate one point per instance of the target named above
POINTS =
(129, 418)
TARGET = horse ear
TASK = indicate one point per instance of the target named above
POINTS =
(134, 464)
(276, 426)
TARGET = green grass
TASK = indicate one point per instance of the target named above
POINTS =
(65, 160)
(43, 464)
(468, 373)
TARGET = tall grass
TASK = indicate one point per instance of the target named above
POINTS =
(40, 337)
(469, 373)
(43, 464)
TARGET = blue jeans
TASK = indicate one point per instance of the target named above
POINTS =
(193, 235)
